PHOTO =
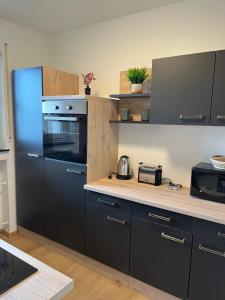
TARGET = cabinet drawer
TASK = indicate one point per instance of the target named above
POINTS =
(108, 203)
(108, 237)
(160, 256)
(161, 216)
(209, 235)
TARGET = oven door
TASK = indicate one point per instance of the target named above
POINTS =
(65, 137)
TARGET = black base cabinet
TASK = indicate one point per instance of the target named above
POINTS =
(64, 199)
(27, 93)
(29, 192)
(108, 230)
(160, 254)
(207, 280)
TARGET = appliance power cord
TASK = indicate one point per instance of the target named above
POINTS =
(172, 185)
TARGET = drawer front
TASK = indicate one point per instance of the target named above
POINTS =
(209, 235)
(160, 256)
(208, 262)
(108, 203)
(161, 216)
(108, 237)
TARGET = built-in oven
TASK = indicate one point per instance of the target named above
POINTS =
(65, 129)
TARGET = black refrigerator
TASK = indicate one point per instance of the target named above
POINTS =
(27, 95)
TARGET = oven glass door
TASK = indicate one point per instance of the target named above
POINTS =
(65, 137)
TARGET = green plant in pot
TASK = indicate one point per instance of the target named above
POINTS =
(137, 76)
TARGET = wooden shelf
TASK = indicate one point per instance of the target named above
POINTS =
(128, 122)
(130, 96)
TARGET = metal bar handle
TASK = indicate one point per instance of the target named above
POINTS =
(159, 217)
(122, 222)
(192, 117)
(71, 171)
(99, 200)
(56, 118)
(172, 238)
(34, 155)
(211, 251)
(221, 234)
(220, 117)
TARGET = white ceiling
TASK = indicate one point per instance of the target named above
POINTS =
(56, 16)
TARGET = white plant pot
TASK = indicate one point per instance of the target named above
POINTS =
(136, 88)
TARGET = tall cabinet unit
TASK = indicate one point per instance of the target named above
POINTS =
(29, 85)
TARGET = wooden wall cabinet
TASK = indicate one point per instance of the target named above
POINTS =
(57, 82)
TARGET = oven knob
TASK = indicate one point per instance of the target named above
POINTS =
(56, 107)
(69, 107)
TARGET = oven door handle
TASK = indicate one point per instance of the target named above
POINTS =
(59, 118)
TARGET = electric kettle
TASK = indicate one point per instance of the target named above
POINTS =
(124, 168)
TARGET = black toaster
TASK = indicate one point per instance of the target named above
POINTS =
(150, 174)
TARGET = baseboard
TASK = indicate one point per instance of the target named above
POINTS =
(120, 278)
(9, 234)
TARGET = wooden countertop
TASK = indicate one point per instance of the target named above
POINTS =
(161, 197)
(47, 283)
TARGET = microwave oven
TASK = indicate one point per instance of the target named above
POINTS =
(208, 183)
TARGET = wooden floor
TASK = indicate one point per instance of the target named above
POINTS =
(88, 284)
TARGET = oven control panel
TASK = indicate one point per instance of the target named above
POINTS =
(78, 107)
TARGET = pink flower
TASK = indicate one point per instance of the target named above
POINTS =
(88, 78)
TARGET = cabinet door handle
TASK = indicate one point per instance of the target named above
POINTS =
(34, 155)
(221, 234)
(172, 238)
(71, 171)
(191, 117)
(159, 217)
(211, 251)
(99, 200)
(220, 117)
(122, 222)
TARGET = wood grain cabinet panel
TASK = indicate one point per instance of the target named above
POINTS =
(182, 89)
(57, 82)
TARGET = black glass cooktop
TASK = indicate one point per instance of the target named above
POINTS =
(12, 270)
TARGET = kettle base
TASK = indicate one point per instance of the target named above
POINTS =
(123, 177)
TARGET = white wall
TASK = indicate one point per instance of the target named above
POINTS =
(107, 48)
(25, 48)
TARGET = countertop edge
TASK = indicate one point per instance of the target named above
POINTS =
(149, 202)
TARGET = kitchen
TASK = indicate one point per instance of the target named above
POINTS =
(184, 28)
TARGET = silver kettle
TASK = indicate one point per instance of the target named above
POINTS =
(124, 168)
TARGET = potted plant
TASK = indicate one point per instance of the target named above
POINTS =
(137, 76)
(88, 78)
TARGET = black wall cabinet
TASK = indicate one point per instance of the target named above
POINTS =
(64, 199)
(160, 254)
(27, 89)
(207, 280)
(218, 102)
(182, 89)
(108, 230)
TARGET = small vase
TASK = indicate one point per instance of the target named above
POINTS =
(87, 90)
(136, 88)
